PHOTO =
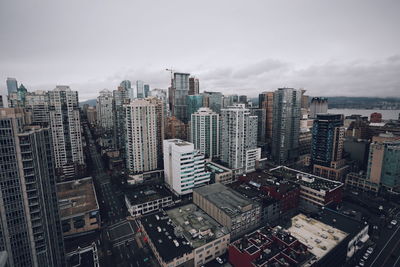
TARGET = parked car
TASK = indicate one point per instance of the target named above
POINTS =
(370, 250)
(393, 222)
(220, 261)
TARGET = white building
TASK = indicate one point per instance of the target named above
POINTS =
(104, 108)
(66, 130)
(204, 132)
(184, 167)
(141, 136)
(239, 139)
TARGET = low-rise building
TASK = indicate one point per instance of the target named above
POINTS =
(147, 198)
(234, 211)
(184, 236)
(219, 173)
(359, 181)
(79, 209)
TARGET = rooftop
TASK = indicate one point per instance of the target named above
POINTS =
(146, 193)
(230, 201)
(161, 231)
(76, 197)
(320, 238)
(195, 225)
(305, 179)
(252, 192)
(216, 168)
(265, 178)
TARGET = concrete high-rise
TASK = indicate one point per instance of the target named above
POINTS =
(184, 167)
(239, 139)
(194, 86)
(318, 105)
(12, 85)
(121, 97)
(140, 136)
(205, 132)
(327, 139)
(105, 114)
(30, 227)
(286, 125)
(160, 126)
(66, 131)
(180, 91)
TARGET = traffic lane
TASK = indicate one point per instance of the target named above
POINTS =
(379, 257)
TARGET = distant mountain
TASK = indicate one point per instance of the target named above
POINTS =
(91, 102)
(364, 102)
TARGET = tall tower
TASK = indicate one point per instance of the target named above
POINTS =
(160, 126)
(121, 97)
(66, 131)
(104, 108)
(12, 85)
(140, 136)
(194, 102)
(318, 105)
(127, 86)
(30, 227)
(327, 139)
(194, 86)
(239, 139)
(140, 89)
(205, 135)
(286, 125)
(213, 100)
(180, 90)
(37, 103)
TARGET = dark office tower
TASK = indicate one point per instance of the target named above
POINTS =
(12, 85)
(121, 97)
(261, 125)
(194, 102)
(266, 102)
(286, 125)
(243, 99)
(30, 228)
(213, 100)
(180, 90)
(327, 139)
(160, 126)
(1, 102)
(194, 86)
(21, 95)
(146, 89)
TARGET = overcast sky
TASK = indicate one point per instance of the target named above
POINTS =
(340, 47)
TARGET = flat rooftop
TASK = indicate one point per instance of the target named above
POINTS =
(305, 179)
(216, 168)
(195, 225)
(178, 142)
(161, 231)
(268, 179)
(146, 193)
(76, 197)
(320, 238)
(227, 199)
(252, 192)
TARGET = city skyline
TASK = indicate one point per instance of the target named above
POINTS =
(240, 48)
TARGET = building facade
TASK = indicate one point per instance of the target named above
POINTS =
(184, 167)
(194, 86)
(318, 105)
(180, 91)
(205, 132)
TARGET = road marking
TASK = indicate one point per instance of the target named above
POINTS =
(380, 252)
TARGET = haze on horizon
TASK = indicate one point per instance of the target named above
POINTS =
(329, 48)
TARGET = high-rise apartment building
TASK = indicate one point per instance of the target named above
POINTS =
(327, 139)
(162, 95)
(184, 167)
(30, 227)
(104, 108)
(239, 139)
(37, 103)
(66, 131)
(180, 91)
(205, 132)
(127, 86)
(12, 85)
(194, 102)
(286, 125)
(140, 136)
(319, 105)
(121, 97)
(194, 86)
(160, 126)
(384, 161)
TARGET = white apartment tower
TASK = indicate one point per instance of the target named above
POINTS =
(104, 108)
(183, 166)
(66, 131)
(239, 139)
(140, 136)
(204, 132)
